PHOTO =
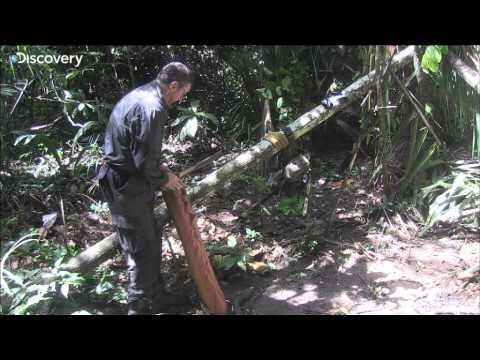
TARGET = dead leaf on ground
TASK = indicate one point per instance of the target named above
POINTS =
(258, 266)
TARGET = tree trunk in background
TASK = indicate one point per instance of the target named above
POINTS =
(267, 125)
(383, 122)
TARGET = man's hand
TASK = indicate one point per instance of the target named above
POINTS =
(173, 183)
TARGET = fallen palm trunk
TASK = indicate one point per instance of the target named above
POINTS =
(184, 219)
(103, 250)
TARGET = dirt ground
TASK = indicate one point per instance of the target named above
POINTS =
(336, 260)
(354, 268)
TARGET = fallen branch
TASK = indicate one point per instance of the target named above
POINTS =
(201, 164)
(27, 83)
(469, 273)
(264, 149)
(254, 206)
(307, 193)
(40, 127)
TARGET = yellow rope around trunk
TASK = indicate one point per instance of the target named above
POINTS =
(278, 139)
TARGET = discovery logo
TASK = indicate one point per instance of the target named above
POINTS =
(21, 58)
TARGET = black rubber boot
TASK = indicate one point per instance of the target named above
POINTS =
(140, 307)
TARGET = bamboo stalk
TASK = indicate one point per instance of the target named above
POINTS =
(417, 109)
(383, 119)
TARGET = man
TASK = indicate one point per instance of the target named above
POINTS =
(132, 172)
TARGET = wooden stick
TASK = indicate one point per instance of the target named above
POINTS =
(470, 272)
(254, 206)
(63, 212)
(199, 264)
(201, 164)
(307, 192)
(27, 83)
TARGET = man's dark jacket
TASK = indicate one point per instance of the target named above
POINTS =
(133, 147)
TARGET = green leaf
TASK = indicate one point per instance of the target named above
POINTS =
(184, 109)
(194, 104)
(433, 57)
(25, 138)
(229, 262)
(231, 241)
(286, 82)
(30, 274)
(87, 126)
(16, 278)
(429, 61)
(74, 279)
(280, 102)
(180, 120)
(58, 262)
(189, 129)
(209, 116)
(261, 91)
(20, 310)
(241, 264)
(428, 109)
(35, 299)
(67, 94)
(443, 49)
(19, 298)
(421, 164)
(283, 71)
(72, 74)
(291, 205)
(218, 261)
(103, 287)
(269, 94)
(64, 290)
(476, 136)
(7, 91)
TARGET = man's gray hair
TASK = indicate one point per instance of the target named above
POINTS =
(175, 71)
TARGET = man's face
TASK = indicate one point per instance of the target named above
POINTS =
(177, 93)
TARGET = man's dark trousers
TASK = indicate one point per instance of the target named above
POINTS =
(140, 238)
(129, 178)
